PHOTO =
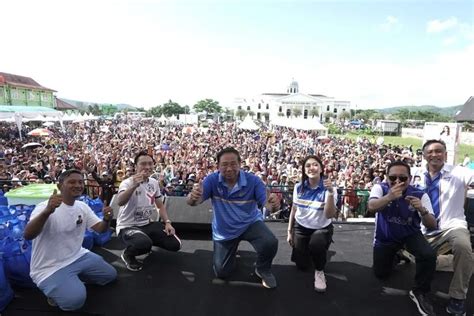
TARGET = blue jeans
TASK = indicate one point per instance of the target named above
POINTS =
(261, 239)
(66, 286)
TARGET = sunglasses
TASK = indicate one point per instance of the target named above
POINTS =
(401, 178)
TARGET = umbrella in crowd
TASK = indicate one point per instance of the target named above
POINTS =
(31, 145)
(40, 132)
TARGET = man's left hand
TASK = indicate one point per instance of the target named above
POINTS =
(169, 229)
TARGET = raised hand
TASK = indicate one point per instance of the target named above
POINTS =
(196, 192)
(414, 202)
(54, 201)
(396, 191)
(328, 185)
(138, 179)
(108, 213)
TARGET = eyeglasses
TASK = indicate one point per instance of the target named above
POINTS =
(401, 178)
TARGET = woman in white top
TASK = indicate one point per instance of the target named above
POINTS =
(310, 227)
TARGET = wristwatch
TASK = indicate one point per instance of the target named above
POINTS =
(167, 221)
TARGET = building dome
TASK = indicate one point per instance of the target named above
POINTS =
(293, 87)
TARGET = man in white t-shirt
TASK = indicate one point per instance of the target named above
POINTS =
(446, 186)
(138, 198)
(57, 227)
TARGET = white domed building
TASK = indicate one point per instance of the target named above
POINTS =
(268, 107)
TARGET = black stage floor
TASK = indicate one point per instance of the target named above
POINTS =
(182, 283)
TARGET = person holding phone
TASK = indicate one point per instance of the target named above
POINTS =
(138, 198)
(310, 226)
(399, 210)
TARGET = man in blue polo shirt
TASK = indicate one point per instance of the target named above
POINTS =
(237, 198)
(400, 208)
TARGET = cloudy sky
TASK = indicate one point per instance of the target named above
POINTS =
(374, 53)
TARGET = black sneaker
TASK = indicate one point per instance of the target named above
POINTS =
(268, 279)
(422, 302)
(131, 262)
(51, 302)
(456, 307)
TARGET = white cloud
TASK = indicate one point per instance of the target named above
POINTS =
(390, 23)
(449, 40)
(437, 26)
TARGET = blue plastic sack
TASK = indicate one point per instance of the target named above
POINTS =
(4, 211)
(17, 261)
(21, 210)
(6, 292)
(96, 205)
(101, 239)
(88, 241)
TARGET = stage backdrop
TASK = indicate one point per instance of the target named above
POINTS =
(450, 133)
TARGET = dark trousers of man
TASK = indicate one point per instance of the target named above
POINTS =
(311, 246)
(140, 239)
(262, 240)
(425, 258)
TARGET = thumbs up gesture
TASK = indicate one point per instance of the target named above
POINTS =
(54, 201)
(108, 213)
(196, 192)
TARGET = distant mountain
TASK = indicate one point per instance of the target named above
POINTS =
(448, 111)
(84, 105)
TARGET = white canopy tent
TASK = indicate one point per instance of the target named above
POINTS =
(20, 113)
(248, 124)
(302, 124)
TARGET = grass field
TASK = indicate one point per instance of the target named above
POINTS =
(416, 142)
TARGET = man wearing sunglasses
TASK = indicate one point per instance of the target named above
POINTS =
(446, 186)
(400, 209)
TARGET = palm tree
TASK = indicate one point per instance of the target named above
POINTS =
(240, 113)
(314, 112)
(297, 112)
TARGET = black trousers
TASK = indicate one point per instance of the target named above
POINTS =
(425, 258)
(140, 239)
(311, 246)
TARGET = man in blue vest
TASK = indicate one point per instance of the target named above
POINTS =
(399, 209)
(237, 199)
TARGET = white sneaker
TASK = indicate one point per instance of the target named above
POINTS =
(319, 281)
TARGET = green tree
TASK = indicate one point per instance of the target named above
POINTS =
(344, 115)
(171, 108)
(327, 116)
(251, 113)
(208, 105)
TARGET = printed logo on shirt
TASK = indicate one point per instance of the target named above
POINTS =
(79, 220)
(400, 220)
(143, 213)
(149, 187)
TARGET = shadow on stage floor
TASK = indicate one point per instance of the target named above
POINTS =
(182, 283)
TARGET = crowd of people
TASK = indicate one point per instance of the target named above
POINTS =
(238, 170)
(104, 151)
